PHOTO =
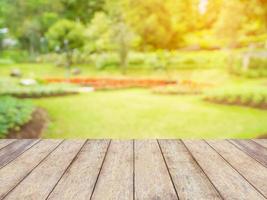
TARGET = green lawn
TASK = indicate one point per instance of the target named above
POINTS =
(137, 113)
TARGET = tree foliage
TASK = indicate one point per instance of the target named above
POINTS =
(169, 24)
(66, 34)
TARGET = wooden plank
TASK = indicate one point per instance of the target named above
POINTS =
(253, 149)
(12, 174)
(262, 142)
(253, 171)
(13, 150)
(152, 180)
(78, 182)
(189, 179)
(5, 142)
(228, 182)
(42, 180)
(116, 177)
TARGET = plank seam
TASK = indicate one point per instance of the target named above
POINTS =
(168, 170)
(7, 145)
(192, 156)
(134, 169)
(68, 167)
(98, 175)
(233, 143)
(22, 152)
(259, 143)
(235, 170)
(32, 170)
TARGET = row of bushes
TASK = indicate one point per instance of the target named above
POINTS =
(255, 67)
(13, 114)
(244, 96)
(38, 90)
(185, 87)
(146, 60)
(15, 55)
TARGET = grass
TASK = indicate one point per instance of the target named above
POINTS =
(137, 113)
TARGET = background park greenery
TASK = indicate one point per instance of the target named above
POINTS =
(221, 43)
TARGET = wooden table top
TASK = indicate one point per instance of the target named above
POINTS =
(133, 169)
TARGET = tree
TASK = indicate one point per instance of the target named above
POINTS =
(82, 10)
(26, 20)
(228, 26)
(161, 24)
(66, 36)
(122, 35)
(98, 34)
(239, 20)
(263, 4)
(29, 20)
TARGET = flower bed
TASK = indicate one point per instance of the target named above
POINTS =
(13, 114)
(111, 83)
(185, 87)
(248, 96)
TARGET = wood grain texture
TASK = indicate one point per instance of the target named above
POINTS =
(152, 180)
(42, 180)
(116, 177)
(5, 142)
(78, 182)
(143, 169)
(253, 171)
(188, 177)
(13, 150)
(256, 151)
(12, 174)
(262, 142)
(228, 182)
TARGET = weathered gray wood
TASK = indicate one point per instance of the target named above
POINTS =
(228, 182)
(188, 177)
(42, 180)
(253, 171)
(50, 169)
(5, 142)
(13, 150)
(12, 174)
(78, 182)
(116, 177)
(256, 151)
(152, 180)
(262, 142)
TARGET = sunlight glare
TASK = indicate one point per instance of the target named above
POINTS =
(203, 6)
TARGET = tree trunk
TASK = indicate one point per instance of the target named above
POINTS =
(68, 64)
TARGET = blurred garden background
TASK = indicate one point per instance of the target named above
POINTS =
(133, 68)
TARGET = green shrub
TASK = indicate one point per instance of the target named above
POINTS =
(257, 67)
(258, 63)
(145, 60)
(104, 60)
(183, 88)
(247, 96)
(178, 90)
(258, 99)
(13, 114)
(12, 88)
(15, 55)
